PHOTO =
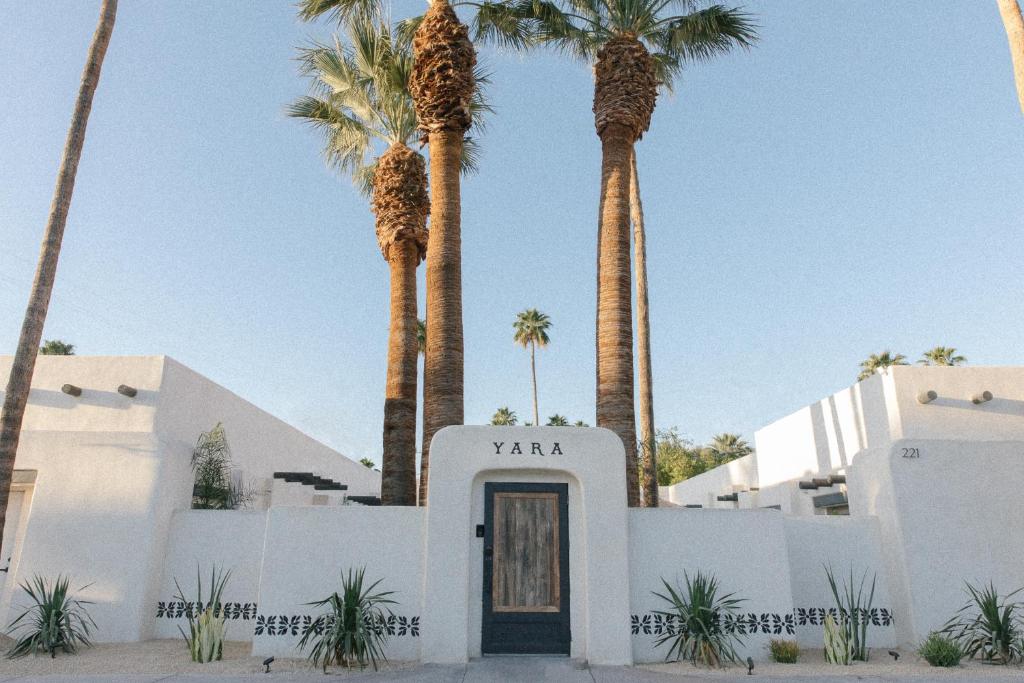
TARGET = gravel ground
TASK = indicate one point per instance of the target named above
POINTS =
(160, 657)
(812, 665)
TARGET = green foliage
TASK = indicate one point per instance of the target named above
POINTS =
(784, 651)
(421, 336)
(698, 610)
(942, 355)
(557, 420)
(55, 620)
(680, 459)
(877, 361)
(504, 417)
(215, 487)
(838, 649)
(531, 327)
(581, 27)
(56, 347)
(940, 650)
(366, 462)
(350, 632)
(580, 423)
(854, 609)
(205, 637)
(989, 626)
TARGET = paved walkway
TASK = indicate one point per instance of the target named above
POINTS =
(488, 670)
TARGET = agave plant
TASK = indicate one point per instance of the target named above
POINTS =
(55, 620)
(205, 637)
(854, 608)
(838, 648)
(351, 632)
(698, 611)
(989, 626)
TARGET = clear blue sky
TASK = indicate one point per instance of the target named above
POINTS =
(852, 184)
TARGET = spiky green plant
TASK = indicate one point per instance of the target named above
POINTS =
(351, 632)
(940, 650)
(55, 620)
(205, 637)
(989, 626)
(854, 610)
(698, 610)
(838, 649)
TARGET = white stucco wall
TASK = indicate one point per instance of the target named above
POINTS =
(307, 549)
(952, 515)
(203, 539)
(592, 461)
(744, 549)
(738, 475)
(112, 470)
(844, 544)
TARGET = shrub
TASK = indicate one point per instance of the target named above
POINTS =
(54, 621)
(988, 626)
(205, 637)
(351, 632)
(697, 612)
(784, 651)
(854, 610)
(215, 487)
(838, 649)
(940, 650)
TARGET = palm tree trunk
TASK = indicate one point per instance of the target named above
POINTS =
(398, 472)
(533, 370)
(1014, 25)
(20, 380)
(443, 362)
(615, 316)
(648, 444)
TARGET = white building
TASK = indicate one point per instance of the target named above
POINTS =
(100, 476)
(932, 496)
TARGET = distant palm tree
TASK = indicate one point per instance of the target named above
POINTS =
(366, 462)
(361, 102)
(580, 423)
(635, 46)
(725, 447)
(56, 347)
(531, 330)
(1014, 25)
(557, 420)
(880, 360)
(23, 367)
(942, 355)
(504, 417)
(421, 336)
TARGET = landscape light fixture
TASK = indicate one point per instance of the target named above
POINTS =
(126, 390)
(927, 396)
(895, 655)
(750, 666)
(983, 397)
(71, 390)
(267, 662)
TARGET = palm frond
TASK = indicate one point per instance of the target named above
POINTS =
(704, 34)
(500, 23)
(339, 11)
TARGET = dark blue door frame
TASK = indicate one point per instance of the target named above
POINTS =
(523, 632)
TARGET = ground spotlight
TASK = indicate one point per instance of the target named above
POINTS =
(267, 662)
(895, 655)
(750, 666)
(983, 397)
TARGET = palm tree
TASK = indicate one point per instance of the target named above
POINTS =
(557, 420)
(20, 380)
(531, 330)
(648, 440)
(56, 347)
(580, 423)
(361, 102)
(421, 336)
(1014, 25)
(725, 447)
(504, 417)
(635, 48)
(878, 361)
(942, 355)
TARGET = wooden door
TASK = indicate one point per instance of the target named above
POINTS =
(526, 569)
